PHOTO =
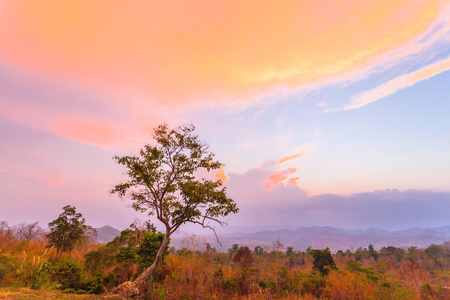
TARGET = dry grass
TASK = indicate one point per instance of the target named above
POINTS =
(24, 293)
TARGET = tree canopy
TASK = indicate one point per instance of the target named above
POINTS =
(164, 181)
(68, 230)
(323, 261)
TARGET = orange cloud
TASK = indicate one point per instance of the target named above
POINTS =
(398, 83)
(293, 181)
(179, 50)
(293, 156)
(221, 175)
(278, 177)
(149, 58)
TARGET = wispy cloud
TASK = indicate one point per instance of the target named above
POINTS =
(258, 113)
(301, 153)
(397, 84)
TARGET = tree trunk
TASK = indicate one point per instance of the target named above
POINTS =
(135, 288)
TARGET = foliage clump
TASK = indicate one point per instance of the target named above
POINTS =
(323, 261)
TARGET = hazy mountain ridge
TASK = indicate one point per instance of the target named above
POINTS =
(339, 239)
(106, 234)
(316, 237)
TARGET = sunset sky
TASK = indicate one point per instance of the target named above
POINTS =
(323, 112)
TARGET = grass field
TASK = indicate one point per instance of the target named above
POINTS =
(24, 293)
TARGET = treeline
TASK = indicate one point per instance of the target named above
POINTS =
(199, 271)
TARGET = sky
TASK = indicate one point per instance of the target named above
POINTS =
(324, 113)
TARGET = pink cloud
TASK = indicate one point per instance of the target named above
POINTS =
(54, 180)
(47, 179)
(72, 112)
(89, 131)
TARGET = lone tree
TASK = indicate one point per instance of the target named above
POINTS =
(67, 231)
(163, 182)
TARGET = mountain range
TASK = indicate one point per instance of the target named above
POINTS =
(315, 237)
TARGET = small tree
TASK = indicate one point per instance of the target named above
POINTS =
(243, 256)
(67, 230)
(163, 182)
(323, 261)
(30, 232)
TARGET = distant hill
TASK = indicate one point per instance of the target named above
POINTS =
(336, 239)
(106, 234)
(339, 239)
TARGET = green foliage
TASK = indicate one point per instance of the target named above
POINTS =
(373, 252)
(323, 261)
(68, 230)
(125, 257)
(435, 252)
(392, 252)
(39, 277)
(69, 274)
(356, 266)
(147, 250)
